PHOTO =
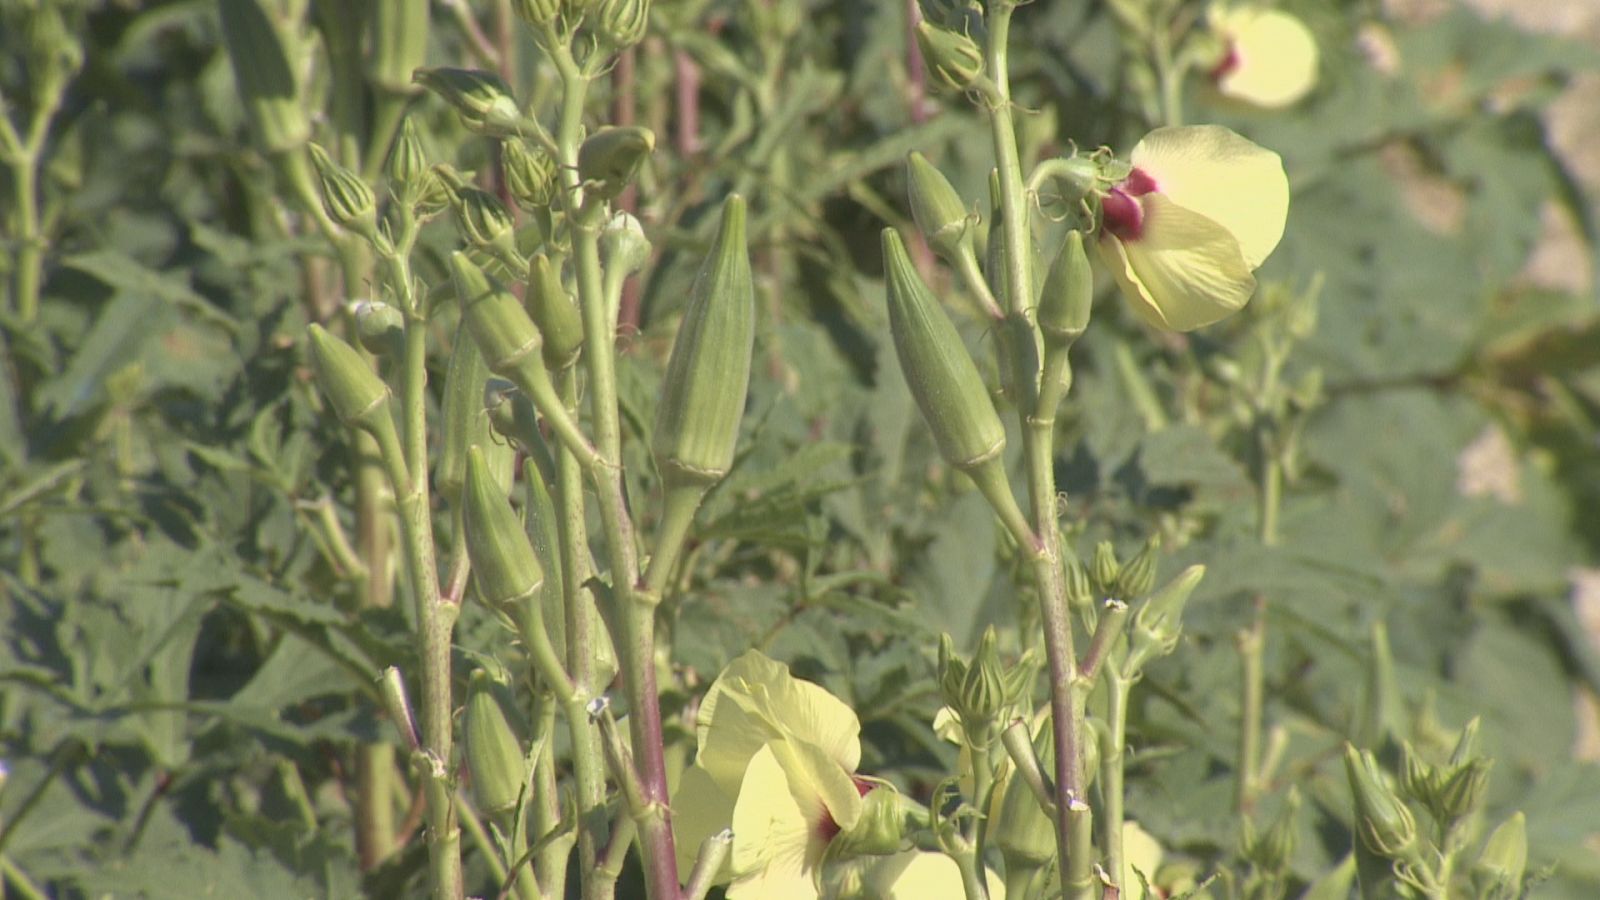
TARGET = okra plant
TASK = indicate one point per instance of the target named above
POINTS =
(658, 455)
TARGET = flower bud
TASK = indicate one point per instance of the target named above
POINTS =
(708, 374)
(483, 221)
(937, 209)
(1068, 293)
(482, 99)
(1271, 850)
(1499, 869)
(504, 566)
(432, 195)
(954, 60)
(407, 160)
(879, 829)
(610, 158)
(1080, 593)
(264, 74)
(554, 312)
(1138, 575)
(1385, 824)
(1418, 780)
(622, 23)
(1105, 566)
(1158, 623)
(346, 198)
(623, 247)
(1462, 792)
(536, 12)
(494, 755)
(530, 174)
(942, 376)
(1335, 884)
(355, 392)
(497, 321)
(380, 328)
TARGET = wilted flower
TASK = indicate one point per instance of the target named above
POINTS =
(777, 758)
(1200, 210)
(1269, 57)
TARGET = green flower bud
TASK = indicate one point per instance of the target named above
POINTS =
(880, 828)
(708, 375)
(504, 566)
(1080, 593)
(260, 54)
(399, 43)
(573, 10)
(1105, 567)
(380, 327)
(1271, 850)
(954, 60)
(1385, 824)
(1419, 780)
(407, 160)
(1462, 792)
(463, 412)
(345, 196)
(937, 208)
(432, 195)
(1158, 623)
(498, 323)
(494, 755)
(622, 23)
(530, 174)
(482, 99)
(623, 247)
(554, 312)
(536, 12)
(1138, 575)
(610, 158)
(1499, 869)
(942, 376)
(355, 392)
(483, 221)
(1465, 744)
(1068, 293)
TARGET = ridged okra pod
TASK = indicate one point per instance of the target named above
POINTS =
(703, 393)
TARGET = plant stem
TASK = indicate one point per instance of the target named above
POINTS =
(1271, 489)
(1112, 748)
(1251, 643)
(635, 614)
(1067, 690)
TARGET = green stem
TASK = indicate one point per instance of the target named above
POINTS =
(681, 503)
(546, 803)
(635, 613)
(971, 875)
(1271, 489)
(983, 795)
(28, 240)
(1251, 643)
(1112, 748)
(1068, 692)
(13, 877)
(485, 844)
(588, 763)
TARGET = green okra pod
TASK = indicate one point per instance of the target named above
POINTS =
(264, 70)
(708, 375)
(494, 755)
(505, 567)
(554, 312)
(356, 393)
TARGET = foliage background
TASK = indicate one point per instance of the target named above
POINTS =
(183, 671)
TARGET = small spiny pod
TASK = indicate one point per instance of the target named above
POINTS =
(530, 174)
(347, 199)
(554, 312)
(408, 160)
(708, 375)
(463, 407)
(264, 71)
(494, 755)
(937, 208)
(505, 568)
(1068, 294)
(610, 158)
(942, 376)
(356, 393)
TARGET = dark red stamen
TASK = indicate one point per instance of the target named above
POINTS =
(828, 829)
(1124, 216)
(1228, 63)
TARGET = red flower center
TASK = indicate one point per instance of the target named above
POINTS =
(1124, 215)
(1229, 62)
(828, 829)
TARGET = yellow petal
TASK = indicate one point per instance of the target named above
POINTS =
(754, 700)
(776, 849)
(1183, 272)
(916, 875)
(700, 809)
(1233, 182)
(819, 786)
(1141, 851)
(1274, 57)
